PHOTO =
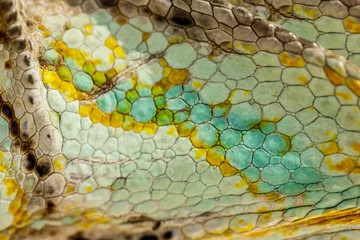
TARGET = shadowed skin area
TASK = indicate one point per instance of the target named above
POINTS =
(182, 119)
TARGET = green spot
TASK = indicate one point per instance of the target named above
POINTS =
(306, 175)
(219, 122)
(244, 116)
(200, 113)
(261, 158)
(89, 68)
(239, 157)
(261, 187)
(180, 55)
(101, 17)
(275, 160)
(176, 104)
(337, 184)
(125, 84)
(275, 174)
(53, 57)
(190, 98)
(123, 106)
(267, 127)
(83, 82)
(221, 110)
(119, 95)
(204, 136)
(64, 73)
(180, 117)
(254, 138)
(99, 78)
(159, 102)
(311, 157)
(143, 109)
(174, 92)
(291, 189)
(4, 130)
(291, 160)
(106, 102)
(143, 90)
(230, 138)
(277, 144)
(132, 96)
(251, 174)
(164, 117)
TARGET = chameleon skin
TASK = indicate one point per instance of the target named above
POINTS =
(158, 119)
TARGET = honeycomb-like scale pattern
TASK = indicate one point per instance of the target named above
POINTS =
(179, 120)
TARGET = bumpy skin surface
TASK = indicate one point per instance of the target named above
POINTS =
(181, 119)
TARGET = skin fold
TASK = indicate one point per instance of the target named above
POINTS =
(179, 119)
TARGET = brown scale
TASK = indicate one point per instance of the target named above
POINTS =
(25, 148)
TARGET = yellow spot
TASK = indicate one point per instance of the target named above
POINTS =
(138, 127)
(51, 78)
(291, 60)
(167, 71)
(345, 165)
(150, 128)
(11, 186)
(59, 163)
(303, 80)
(128, 123)
(145, 36)
(228, 170)
(95, 115)
(111, 42)
(172, 131)
(197, 84)
(245, 228)
(329, 148)
(272, 196)
(87, 29)
(88, 189)
(354, 85)
(355, 147)
(116, 120)
(84, 224)
(334, 77)
(163, 62)
(160, 87)
(178, 76)
(311, 13)
(240, 184)
(111, 59)
(214, 156)
(69, 90)
(69, 189)
(2, 167)
(105, 120)
(200, 153)
(85, 110)
(183, 130)
(262, 209)
(119, 52)
(345, 96)
(352, 25)
(249, 48)
(110, 74)
(14, 206)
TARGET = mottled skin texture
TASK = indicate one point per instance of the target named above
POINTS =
(181, 119)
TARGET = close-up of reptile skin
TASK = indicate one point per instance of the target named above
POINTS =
(179, 119)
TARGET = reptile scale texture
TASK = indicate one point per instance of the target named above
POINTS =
(179, 119)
